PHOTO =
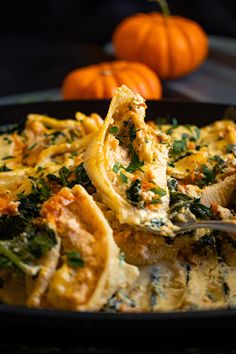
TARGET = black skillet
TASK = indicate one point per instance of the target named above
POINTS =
(170, 328)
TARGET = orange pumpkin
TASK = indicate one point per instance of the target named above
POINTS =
(171, 45)
(100, 81)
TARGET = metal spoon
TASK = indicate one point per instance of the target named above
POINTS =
(219, 225)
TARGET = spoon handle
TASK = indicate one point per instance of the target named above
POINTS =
(211, 224)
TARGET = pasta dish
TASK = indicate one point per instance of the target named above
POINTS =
(88, 212)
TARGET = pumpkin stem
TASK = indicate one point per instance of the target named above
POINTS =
(164, 6)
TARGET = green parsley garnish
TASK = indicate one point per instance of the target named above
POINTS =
(4, 168)
(8, 141)
(135, 163)
(8, 157)
(179, 146)
(160, 191)
(64, 174)
(114, 130)
(31, 147)
(123, 178)
(74, 259)
(116, 167)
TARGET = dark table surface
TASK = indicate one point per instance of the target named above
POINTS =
(33, 70)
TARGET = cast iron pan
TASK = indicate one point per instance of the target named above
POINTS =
(191, 326)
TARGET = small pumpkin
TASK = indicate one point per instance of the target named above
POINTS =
(172, 46)
(100, 80)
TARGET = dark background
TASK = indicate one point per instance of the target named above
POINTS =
(40, 41)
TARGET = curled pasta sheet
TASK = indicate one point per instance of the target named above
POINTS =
(11, 150)
(56, 156)
(219, 193)
(126, 162)
(84, 230)
(36, 287)
(218, 135)
(42, 131)
(91, 123)
(16, 182)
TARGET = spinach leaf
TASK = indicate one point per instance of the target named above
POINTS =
(30, 204)
(172, 184)
(133, 193)
(124, 178)
(180, 200)
(179, 146)
(81, 176)
(208, 176)
(199, 210)
(31, 244)
(64, 174)
(4, 168)
(135, 163)
(11, 226)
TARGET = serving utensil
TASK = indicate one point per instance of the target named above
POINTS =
(226, 225)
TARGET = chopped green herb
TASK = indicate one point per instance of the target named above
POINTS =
(179, 146)
(133, 193)
(64, 174)
(114, 130)
(180, 200)
(197, 132)
(30, 204)
(155, 201)
(231, 149)
(8, 157)
(208, 176)
(200, 210)
(81, 176)
(8, 141)
(40, 169)
(4, 168)
(31, 244)
(184, 136)
(160, 191)
(217, 158)
(73, 154)
(74, 259)
(135, 163)
(117, 166)
(31, 147)
(123, 178)
(188, 127)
